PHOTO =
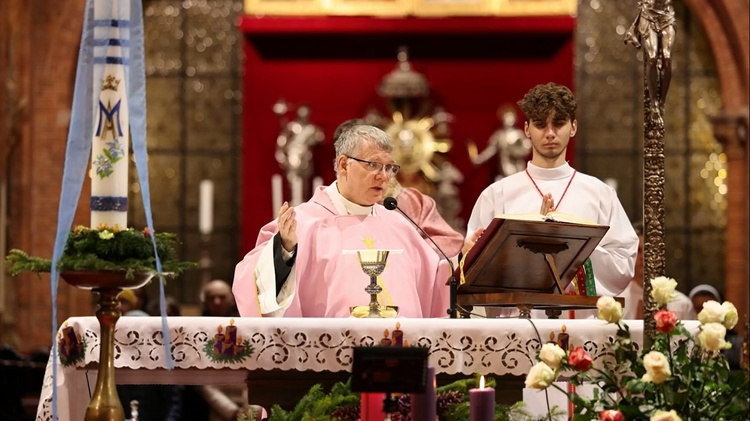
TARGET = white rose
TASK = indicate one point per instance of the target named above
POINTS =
(712, 336)
(552, 354)
(540, 376)
(657, 367)
(660, 415)
(609, 309)
(662, 290)
(712, 312)
(730, 317)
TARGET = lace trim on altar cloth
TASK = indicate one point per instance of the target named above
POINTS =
(456, 346)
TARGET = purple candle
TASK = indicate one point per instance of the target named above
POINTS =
(424, 405)
(482, 403)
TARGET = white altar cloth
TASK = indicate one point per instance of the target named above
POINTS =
(212, 350)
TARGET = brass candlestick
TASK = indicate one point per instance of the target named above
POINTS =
(105, 404)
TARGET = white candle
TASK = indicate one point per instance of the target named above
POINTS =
(317, 182)
(296, 191)
(611, 182)
(206, 207)
(109, 148)
(276, 193)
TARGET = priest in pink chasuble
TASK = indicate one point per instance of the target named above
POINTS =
(298, 267)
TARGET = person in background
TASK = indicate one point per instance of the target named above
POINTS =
(298, 268)
(703, 293)
(173, 307)
(155, 402)
(420, 207)
(132, 302)
(549, 184)
(633, 294)
(217, 299)
(217, 402)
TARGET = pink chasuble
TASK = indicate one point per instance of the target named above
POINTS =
(423, 210)
(329, 281)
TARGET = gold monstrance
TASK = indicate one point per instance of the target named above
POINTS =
(418, 132)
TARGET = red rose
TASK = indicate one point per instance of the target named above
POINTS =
(665, 320)
(580, 360)
(146, 232)
(611, 415)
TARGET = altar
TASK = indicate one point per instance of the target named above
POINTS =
(214, 350)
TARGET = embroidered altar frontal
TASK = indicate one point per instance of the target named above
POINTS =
(217, 350)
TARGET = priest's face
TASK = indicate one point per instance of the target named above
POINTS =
(363, 176)
(550, 139)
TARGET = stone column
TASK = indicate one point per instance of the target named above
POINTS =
(731, 130)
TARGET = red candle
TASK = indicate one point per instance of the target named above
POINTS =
(371, 407)
(424, 405)
(482, 403)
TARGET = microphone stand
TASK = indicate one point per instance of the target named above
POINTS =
(452, 309)
(452, 312)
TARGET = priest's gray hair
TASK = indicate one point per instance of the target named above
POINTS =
(354, 138)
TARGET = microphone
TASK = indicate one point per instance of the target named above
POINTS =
(391, 203)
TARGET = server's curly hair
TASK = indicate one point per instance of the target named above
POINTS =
(550, 99)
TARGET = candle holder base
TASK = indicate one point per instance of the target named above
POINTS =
(390, 405)
(384, 312)
(105, 403)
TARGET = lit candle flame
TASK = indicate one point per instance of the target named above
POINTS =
(481, 382)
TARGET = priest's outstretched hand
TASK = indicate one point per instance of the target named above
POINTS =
(287, 227)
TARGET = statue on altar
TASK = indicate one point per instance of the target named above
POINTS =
(447, 196)
(508, 143)
(295, 142)
(654, 28)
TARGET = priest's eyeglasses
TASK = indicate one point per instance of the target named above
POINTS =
(376, 167)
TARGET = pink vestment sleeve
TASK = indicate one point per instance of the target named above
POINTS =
(423, 210)
(440, 292)
(245, 287)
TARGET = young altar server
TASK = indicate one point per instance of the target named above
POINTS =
(549, 184)
(298, 267)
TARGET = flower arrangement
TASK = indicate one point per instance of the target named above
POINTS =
(106, 248)
(681, 378)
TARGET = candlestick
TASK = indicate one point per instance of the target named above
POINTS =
(276, 193)
(571, 392)
(296, 191)
(611, 182)
(398, 336)
(424, 405)
(206, 207)
(482, 403)
(316, 182)
(371, 407)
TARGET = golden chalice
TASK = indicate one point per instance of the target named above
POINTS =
(373, 263)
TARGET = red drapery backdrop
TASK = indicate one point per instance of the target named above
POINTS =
(335, 64)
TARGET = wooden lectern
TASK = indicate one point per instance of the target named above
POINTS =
(527, 264)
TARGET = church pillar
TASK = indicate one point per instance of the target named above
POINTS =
(42, 48)
(731, 130)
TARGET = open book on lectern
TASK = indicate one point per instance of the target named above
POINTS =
(524, 253)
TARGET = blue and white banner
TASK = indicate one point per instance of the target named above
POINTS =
(109, 105)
